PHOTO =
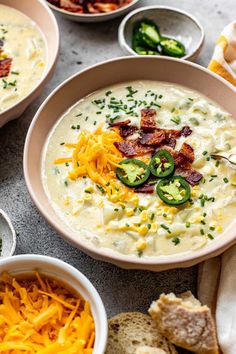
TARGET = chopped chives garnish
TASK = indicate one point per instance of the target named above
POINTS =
(175, 240)
(166, 228)
(226, 180)
(205, 153)
(176, 120)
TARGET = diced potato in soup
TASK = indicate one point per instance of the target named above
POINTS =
(22, 56)
(197, 201)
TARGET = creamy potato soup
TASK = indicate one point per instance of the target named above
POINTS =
(129, 168)
(22, 56)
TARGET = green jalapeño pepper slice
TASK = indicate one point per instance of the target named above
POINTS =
(133, 172)
(174, 190)
(143, 51)
(147, 35)
(172, 47)
(162, 164)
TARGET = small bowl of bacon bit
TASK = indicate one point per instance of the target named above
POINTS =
(92, 10)
(49, 307)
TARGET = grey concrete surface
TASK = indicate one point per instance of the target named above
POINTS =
(81, 46)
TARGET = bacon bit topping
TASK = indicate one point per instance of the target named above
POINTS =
(147, 188)
(121, 124)
(90, 6)
(187, 151)
(127, 130)
(5, 67)
(71, 6)
(158, 137)
(186, 131)
(152, 137)
(132, 148)
(192, 176)
(171, 142)
(148, 121)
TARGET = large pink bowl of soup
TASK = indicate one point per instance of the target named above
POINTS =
(131, 108)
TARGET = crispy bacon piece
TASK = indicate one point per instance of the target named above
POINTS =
(71, 6)
(146, 188)
(127, 130)
(5, 67)
(148, 121)
(171, 142)
(132, 148)
(120, 124)
(186, 131)
(155, 138)
(187, 151)
(172, 133)
(90, 6)
(192, 176)
(105, 7)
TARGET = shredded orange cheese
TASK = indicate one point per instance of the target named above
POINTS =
(41, 316)
(96, 156)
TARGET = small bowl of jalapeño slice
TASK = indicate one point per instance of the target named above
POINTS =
(161, 31)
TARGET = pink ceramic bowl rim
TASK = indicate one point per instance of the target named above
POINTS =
(104, 15)
(51, 266)
(49, 67)
(129, 261)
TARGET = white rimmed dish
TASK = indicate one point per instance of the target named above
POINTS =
(45, 20)
(7, 235)
(100, 17)
(80, 85)
(172, 23)
(57, 269)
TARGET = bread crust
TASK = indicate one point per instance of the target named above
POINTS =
(132, 330)
(185, 323)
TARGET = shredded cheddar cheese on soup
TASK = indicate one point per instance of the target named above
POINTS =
(96, 156)
(41, 316)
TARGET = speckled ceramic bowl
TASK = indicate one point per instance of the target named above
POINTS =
(7, 235)
(101, 17)
(172, 22)
(95, 78)
(44, 18)
(23, 264)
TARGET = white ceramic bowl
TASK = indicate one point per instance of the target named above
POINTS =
(101, 17)
(57, 269)
(7, 234)
(44, 18)
(172, 23)
(97, 77)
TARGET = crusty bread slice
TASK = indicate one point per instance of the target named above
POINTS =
(185, 323)
(149, 350)
(131, 330)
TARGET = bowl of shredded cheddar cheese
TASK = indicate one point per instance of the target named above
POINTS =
(48, 307)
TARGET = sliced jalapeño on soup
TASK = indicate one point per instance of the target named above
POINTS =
(162, 164)
(132, 172)
(174, 190)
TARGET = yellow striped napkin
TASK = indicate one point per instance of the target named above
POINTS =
(223, 61)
